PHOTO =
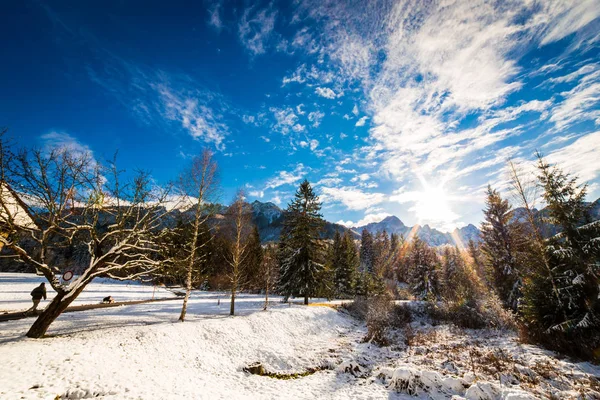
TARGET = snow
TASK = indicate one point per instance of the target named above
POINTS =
(15, 289)
(142, 352)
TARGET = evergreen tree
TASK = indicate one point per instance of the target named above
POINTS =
(457, 280)
(475, 253)
(381, 254)
(300, 237)
(569, 321)
(253, 261)
(423, 271)
(499, 237)
(366, 251)
(345, 261)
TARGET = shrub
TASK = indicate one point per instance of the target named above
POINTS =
(472, 314)
(380, 315)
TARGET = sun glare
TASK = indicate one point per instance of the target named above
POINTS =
(431, 206)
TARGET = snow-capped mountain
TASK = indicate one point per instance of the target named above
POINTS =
(432, 236)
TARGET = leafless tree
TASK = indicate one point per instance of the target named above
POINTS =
(71, 199)
(239, 216)
(198, 182)
(269, 269)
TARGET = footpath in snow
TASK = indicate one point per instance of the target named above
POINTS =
(142, 352)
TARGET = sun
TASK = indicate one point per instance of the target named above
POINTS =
(431, 206)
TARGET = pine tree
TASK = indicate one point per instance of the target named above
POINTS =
(457, 279)
(300, 237)
(498, 235)
(366, 251)
(345, 260)
(381, 254)
(253, 261)
(423, 271)
(475, 253)
(570, 320)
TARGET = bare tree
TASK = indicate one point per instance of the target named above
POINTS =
(199, 182)
(240, 220)
(75, 201)
(269, 269)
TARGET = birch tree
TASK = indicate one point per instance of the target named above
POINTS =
(197, 184)
(75, 201)
(269, 270)
(239, 216)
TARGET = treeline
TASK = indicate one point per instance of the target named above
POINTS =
(548, 285)
(122, 229)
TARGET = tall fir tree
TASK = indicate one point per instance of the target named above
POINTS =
(302, 251)
(366, 251)
(345, 262)
(423, 271)
(253, 262)
(569, 321)
(499, 245)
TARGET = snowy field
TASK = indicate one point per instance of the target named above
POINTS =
(142, 352)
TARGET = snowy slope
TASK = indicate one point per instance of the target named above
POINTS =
(142, 352)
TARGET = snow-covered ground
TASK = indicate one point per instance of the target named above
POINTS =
(142, 352)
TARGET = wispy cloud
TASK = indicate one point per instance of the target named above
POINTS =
(352, 198)
(63, 140)
(256, 27)
(287, 177)
(327, 93)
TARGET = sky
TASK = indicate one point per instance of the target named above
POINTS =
(406, 108)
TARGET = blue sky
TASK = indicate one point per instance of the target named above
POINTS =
(388, 107)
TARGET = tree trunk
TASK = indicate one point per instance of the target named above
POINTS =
(266, 298)
(188, 289)
(51, 312)
(306, 298)
(232, 305)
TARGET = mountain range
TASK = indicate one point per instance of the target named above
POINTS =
(269, 218)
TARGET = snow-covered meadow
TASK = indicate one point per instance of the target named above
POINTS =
(142, 352)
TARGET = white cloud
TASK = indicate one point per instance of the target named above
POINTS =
(361, 122)
(355, 110)
(580, 103)
(326, 92)
(329, 181)
(315, 117)
(255, 29)
(276, 199)
(287, 177)
(370, 218)
(285, 118)
(361, 177)
(352, 198)
(580, 158)
(62, 140)
(214, 18)
(347, 224)
(257, 193)
(161, 99)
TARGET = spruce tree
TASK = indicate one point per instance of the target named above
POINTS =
(366, 251)
(499, 236)
(301, 250)
(423, 271)
(569, 320)
(345, 261)
(253, 261)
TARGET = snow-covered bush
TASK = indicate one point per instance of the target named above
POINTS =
(472, 314)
